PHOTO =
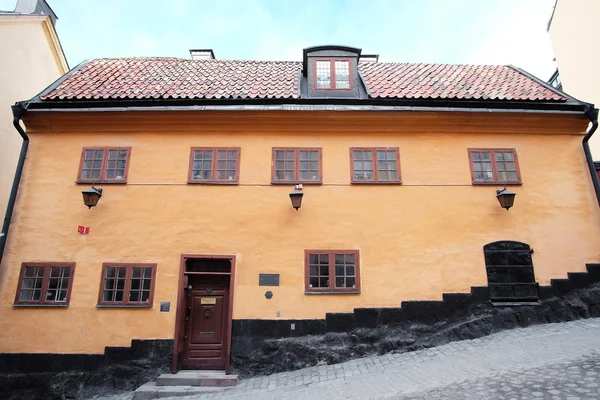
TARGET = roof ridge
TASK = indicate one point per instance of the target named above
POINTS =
(159, 58)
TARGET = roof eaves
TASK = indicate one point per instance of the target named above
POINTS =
(430, 104)
(307, 107)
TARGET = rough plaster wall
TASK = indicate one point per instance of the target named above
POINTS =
(575, 32)
(27, 66)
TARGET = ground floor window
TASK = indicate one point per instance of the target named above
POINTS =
(332, 271)
(47, 284)
(127, 285)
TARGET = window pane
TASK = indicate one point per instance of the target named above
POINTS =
(323, 72)
(115, 166)
(342, 75)
(285, 164)
(58, 284)
(363, 166)
(202, 165)
(114, 284)
(226, 170)
(318, 270)
(92, 164)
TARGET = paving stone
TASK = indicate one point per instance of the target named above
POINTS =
(554, 361)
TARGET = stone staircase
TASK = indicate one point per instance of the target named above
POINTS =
(185, 383)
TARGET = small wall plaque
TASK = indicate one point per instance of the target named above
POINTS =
(165, 306)
(268, 280)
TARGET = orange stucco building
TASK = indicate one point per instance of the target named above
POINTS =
(194, 235)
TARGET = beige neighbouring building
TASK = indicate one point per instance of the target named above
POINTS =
(574, 30)
(32, 58)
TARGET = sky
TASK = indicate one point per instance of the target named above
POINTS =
(428, 31)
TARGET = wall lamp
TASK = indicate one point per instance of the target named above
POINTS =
(91, 196)
(506, 198)
(296, 197)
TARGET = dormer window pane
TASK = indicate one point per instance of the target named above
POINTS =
(342, 75)
(323, 75)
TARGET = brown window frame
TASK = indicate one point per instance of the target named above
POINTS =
(376, 179)
(495, 181)
(104, 165)
(126, 290)
(44, 290)
(296, 166)
(213, 180)
(331, 289)
(332, 73)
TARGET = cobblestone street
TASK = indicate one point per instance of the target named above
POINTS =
(553, 361)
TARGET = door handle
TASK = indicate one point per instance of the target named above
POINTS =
(207, 313)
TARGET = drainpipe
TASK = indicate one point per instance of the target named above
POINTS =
(18, 111)
(592, 114)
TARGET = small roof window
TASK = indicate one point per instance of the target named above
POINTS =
(332, 74)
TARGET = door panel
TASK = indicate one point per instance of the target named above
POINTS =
(205, 325)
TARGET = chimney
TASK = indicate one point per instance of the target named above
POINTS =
(369, 58)
(202, 54)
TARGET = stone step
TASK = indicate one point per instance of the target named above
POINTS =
(197, 378)
(152, 391)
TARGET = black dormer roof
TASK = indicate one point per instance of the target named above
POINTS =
(332, 47)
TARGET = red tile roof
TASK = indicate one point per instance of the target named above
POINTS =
(153, 78)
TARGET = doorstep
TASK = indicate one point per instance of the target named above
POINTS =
(185, 383)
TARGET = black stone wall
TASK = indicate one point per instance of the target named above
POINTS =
(270, 346)
(74, 376)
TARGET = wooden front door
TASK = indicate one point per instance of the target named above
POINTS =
(206, 322)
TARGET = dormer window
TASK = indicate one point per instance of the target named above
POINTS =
(332, 74)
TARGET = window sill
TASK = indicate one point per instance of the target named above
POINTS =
(41, 305)
(376, 182)
(332, 291)
(123, 305)
(496, 183)
(296, 183)
(192, 182)
(99, 182)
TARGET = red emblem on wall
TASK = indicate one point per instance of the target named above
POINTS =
(84, 230)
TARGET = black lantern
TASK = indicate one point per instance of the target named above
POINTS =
(91, 196)
(296, 197)
(506, 198)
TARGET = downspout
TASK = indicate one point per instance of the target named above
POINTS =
(18, 111)
(592, 114)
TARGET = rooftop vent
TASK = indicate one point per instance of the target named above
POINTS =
(369, 58)
(202, 54)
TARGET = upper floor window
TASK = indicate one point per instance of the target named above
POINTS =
(46, 284)
(296, 165)
(494, 166)
(214, 165)
(104, 164)
(130, 285)
(332, 74)
(375, 165)
(331, 271)
(555, 80)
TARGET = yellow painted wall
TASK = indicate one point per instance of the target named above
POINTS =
(30, 60)
(575, 30)
(416, 240)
